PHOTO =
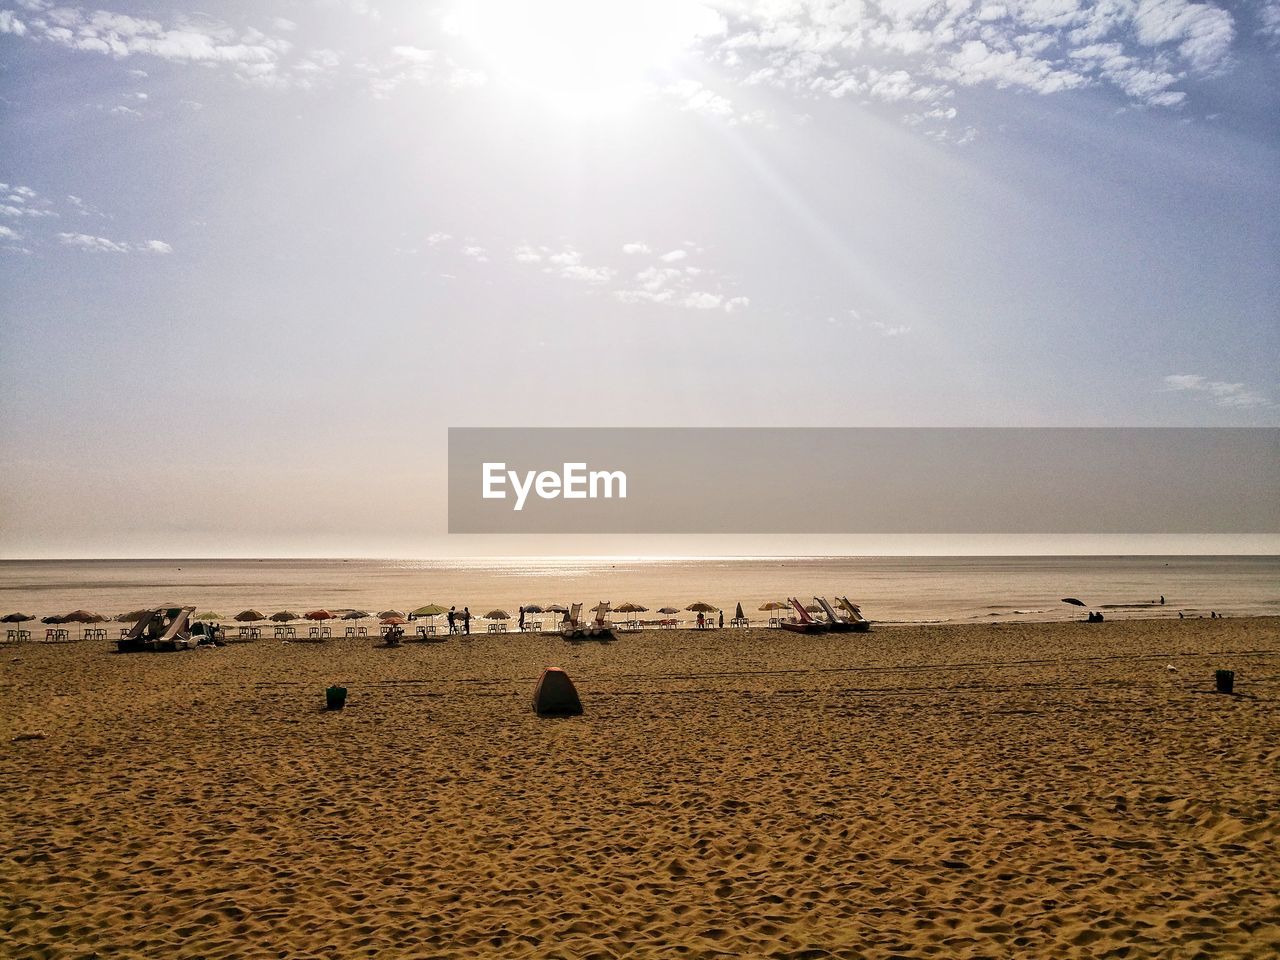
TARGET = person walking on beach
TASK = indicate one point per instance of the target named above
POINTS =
(522, 619)
(453, 617)
(721, 619)
(702, 621)
(466, 620)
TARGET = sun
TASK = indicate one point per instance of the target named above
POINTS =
(582, 56)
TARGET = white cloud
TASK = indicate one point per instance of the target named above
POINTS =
(7, 233)
(700, 300)
(889, 330)
(85, 241)
(673, 256)
(1219, 392)
(94, 244)
(923, 50)
(437, 238)
(475, 252)
(636, 247)
(9, 23)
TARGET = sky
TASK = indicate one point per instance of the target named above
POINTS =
(255, 259)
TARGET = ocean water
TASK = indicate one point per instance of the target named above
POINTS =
(890, 589)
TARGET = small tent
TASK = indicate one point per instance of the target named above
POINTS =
(555, 695)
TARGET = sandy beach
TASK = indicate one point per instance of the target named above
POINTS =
(1037, 790)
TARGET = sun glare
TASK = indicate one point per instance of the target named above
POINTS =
(581, 56)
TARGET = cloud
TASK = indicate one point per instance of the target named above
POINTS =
(416, 66)
(1218, 392)
(94, 244)
(9, 23)
(9, 234)
(889, 330)
(673, 282)
(565, 262)
(475, 252)
(636, 247)
(85, 241)
(923, 51)
(194, 38)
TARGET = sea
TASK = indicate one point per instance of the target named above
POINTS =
(888, 589)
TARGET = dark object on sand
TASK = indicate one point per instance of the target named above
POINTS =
(335, 698)
(1225, 681)
(555, 695)
(1074, 602)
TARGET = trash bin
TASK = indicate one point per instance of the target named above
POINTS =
(335, 698)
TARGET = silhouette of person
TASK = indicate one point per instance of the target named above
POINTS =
(522, 618)
(453, 617)
(721, 619)
(702, 621)
(1162, 599)
(466, 620)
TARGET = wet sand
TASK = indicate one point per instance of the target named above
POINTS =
(1038, 790)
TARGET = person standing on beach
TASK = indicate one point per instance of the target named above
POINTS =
(466, 620)
(522, 619)
(453, 618)
(721, 619)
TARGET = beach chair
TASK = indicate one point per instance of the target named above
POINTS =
(571, 621)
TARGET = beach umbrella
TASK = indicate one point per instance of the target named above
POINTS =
(284, 616)
(668, 610)
(392, 613)
(393, 621)
(320, 615)
(775, 605)
(16, 617)
(812, 608)
(430, 610)
(497, 615)
(603, 604)
(210, 616)
(737, 614)
(701, 607)
(83, 616)
(355, 615)
(1074, 602)
(533, 608)
(53, 619)
(555, 608)
(632, 608)
(249, 616)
